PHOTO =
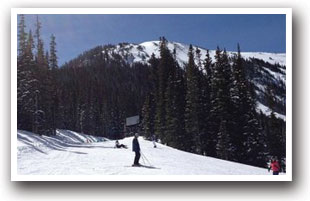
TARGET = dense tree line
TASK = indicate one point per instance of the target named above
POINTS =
(35, 81)
(96, 98)
(92, 94)
(209, 108)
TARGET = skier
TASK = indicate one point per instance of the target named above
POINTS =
(269, 165)
(117, 145)
(136, 149)
(154, 140)
(275, 166)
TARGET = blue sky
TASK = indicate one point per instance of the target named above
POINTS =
(77, 33)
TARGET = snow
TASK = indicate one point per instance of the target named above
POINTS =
(272, 58)
(278, 76)
(266, 110)
(71, 153)
(260, 87)
(145, 49)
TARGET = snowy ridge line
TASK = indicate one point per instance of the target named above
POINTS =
(68, 154)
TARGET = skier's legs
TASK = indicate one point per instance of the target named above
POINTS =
(275, 173)
(137, 157)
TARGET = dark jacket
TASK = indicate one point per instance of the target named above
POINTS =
(135, 145)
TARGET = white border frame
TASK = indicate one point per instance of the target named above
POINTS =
(17, 177)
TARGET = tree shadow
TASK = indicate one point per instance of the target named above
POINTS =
(54, 142)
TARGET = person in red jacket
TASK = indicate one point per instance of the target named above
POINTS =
(275, 166)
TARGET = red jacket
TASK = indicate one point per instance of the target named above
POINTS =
(275, 166)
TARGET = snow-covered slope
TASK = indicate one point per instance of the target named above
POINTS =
(71, 153)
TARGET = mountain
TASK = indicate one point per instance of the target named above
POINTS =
(211, 112)
(266, 71)
(142, 52)
(72, 153)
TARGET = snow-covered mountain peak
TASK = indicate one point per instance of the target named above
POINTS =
(143, 51)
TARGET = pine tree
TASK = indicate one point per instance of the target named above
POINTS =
(160, 106)
(154, 76)
(275, 131)
(248, 137)
(209, 134)
(39, 44)
(148, 120)
(181, 137)
(28, 55)
(223, 146)
(43, 87)
(149, 106)
(175, 104)
(47, 59)
(165, 69)
(203, 104)
(53, 66)
(53, 56)
(198, 58)
(221, 104)
(22, 38)
(192, 108)
(240, 103)
(170, 115)
(26, 87)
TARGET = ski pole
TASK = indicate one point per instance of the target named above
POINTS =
(143, 156)
(143, 159)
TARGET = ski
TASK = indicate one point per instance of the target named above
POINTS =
(144, 166)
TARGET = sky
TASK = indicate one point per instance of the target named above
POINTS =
(78, 33)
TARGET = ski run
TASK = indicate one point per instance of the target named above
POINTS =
(71, 153)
